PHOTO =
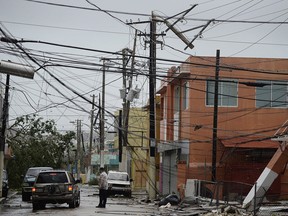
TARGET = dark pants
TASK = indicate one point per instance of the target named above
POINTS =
(103, 198)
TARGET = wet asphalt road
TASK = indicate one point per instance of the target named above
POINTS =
(14, 206)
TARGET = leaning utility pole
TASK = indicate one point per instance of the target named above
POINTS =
(126, 103)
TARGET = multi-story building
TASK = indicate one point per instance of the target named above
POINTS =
(134, 158)
(228, 139)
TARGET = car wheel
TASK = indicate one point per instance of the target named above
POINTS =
(35, 206)
(78, 200)
(42, 205)
(25, 196)
(73, 203)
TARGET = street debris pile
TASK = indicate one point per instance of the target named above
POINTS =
(171, 199)
(172, 205)
(190, 206)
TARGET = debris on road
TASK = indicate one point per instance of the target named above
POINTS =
(172, 199)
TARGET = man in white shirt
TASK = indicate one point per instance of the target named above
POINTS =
(103, 188)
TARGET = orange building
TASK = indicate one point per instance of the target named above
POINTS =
(252, 109)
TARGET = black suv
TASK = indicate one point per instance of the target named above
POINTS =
(55, 186)
(29, 180)
(5, 185)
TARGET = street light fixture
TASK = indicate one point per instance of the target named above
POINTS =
(15, 69)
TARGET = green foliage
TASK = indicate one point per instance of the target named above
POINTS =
(36, 142)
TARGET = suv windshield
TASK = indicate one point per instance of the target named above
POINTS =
(118, 176)
(58, 177)
(32, 172)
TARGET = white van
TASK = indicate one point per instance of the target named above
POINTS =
(119, 183)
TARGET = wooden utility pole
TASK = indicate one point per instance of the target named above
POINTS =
(90, 169)
(102, 119)
(152, 86)
(215, 117)
(78, 148)
(123, 164)
(152, 123)
(126, 103)
(3, 128)
(120, 136)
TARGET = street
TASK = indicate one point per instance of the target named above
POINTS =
(14, 206)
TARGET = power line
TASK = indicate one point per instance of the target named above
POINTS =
(11, 40)
(149, 15)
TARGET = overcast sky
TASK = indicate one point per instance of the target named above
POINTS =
(246, 28)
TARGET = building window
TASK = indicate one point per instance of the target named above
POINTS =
(176, 99)
(163, 108)
(185, 95)
(227, 93)
(274, 94)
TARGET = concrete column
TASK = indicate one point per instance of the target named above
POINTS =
(270, 173)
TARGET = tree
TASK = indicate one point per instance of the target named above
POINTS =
(36, 142)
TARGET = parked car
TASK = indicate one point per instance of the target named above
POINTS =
(28, 181)
(5, 185)
(119, 183)
(55, 186)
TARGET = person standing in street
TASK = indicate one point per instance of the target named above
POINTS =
(103, 188)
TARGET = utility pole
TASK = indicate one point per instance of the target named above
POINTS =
(152, 123)
(90, 169)
(215, 117)
(130, 78)
(3, 128)
(152, 85)
(123, 166)
(120, 136)
(78, 148)
(102, 118)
